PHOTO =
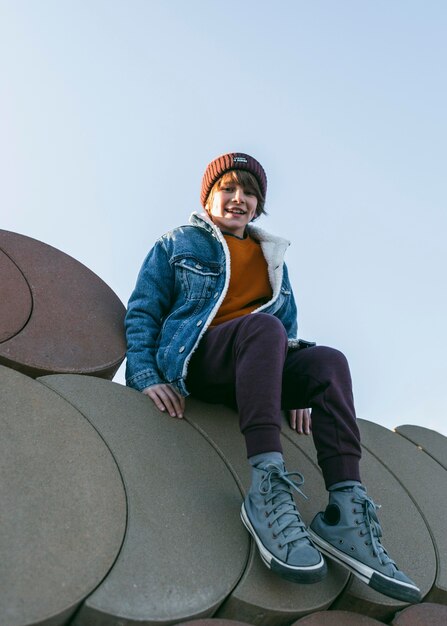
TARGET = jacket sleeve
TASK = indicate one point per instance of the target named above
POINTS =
(290, 319)
(148, 306)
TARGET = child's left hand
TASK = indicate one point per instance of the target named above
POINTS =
(301, 421)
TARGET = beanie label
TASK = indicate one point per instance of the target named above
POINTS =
(238, 159)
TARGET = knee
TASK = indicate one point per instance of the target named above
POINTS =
(267, 326)
(332, 363)
(270, 324)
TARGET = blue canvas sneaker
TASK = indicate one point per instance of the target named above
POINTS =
(349, 532)
(270, 515)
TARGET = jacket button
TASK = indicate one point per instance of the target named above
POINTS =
(199, 323)
(181, 349)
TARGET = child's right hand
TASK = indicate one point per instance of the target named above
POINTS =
(301, 421)
(166, 398)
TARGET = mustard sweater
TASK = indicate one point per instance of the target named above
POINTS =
(249, 285)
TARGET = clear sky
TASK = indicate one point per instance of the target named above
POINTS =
(111, 109)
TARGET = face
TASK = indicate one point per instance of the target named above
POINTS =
(233, 208)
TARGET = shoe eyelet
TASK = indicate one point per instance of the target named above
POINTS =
(340, 541)
(266, 514)
(280, 545)
(352, 548)
(274, 536)
(269, 524)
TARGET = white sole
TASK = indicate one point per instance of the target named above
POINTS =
(368, 575)
(313, 573)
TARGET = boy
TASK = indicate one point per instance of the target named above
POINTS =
(213, 314)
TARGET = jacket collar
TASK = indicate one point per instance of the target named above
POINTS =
(203, 221)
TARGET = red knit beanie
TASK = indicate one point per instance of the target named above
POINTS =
(226, 163)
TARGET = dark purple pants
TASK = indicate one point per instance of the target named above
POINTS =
(245, 363)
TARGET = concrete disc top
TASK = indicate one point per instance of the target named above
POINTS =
(63, 505)
(426, 481)
(336, 618)
(56, 316)
(185, 547)
(431, 442)
(425, 614)
(213, 621)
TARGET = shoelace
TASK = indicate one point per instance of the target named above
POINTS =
(373, 528)
(275, 487)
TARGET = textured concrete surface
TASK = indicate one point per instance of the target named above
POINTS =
(69, 442)
(430, 441)
(185, 554)
(426, 480)
(262, 597)
(63, 505)
(185, 548)
(55, 314)
(398, 533)
(425, 614)
(337, 618)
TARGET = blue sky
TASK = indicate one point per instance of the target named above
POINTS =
(110, 111)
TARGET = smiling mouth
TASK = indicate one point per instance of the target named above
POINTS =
(235, 211)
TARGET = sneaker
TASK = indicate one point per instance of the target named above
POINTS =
(270, 515)
(349, 532)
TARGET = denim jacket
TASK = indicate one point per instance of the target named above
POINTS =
(179, 290)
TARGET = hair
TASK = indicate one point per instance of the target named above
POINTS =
(246, 180)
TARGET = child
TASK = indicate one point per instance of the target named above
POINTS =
(213, 314)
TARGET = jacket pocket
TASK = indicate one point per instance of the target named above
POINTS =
(198, 280)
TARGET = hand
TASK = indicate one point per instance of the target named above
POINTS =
(300, 420)
(166, 398)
